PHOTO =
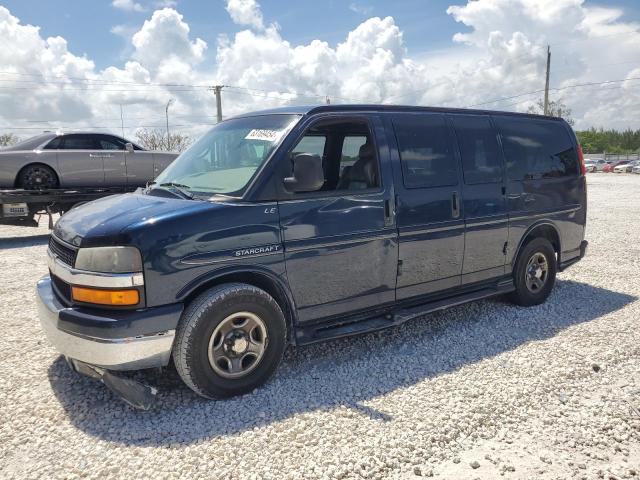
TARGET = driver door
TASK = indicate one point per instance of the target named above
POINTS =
(340, 241)
(113, 160)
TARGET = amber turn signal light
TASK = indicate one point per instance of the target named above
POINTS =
(105, 297)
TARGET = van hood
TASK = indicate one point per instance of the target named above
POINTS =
(106, 221)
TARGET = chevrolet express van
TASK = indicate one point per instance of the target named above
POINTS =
(299, 225)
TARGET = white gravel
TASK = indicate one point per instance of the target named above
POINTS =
(478, 391)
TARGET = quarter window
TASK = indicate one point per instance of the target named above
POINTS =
(536, 148)
(481, 162)
(425, 152)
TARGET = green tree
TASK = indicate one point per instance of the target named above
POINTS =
(612, 141)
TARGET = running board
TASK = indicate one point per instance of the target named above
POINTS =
(318, 333)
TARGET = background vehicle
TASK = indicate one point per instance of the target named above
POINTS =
(299, 225)
(636, 169)
(623, 167)
(82, 159)
(594, 165)
(608, 168)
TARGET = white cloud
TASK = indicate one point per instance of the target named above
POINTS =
(361, 8)
(165, 38)
(501, 53)
(127, 5)
(246, 12)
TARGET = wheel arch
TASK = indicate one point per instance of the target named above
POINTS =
(32, 164)
(257, 277)
(544, 229)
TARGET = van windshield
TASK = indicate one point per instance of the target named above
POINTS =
(226, 158)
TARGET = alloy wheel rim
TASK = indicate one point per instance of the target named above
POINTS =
(237, 345)
(38, 178)
(537, 272)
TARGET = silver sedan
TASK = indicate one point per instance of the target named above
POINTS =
(82, 159)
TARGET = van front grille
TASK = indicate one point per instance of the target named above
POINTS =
(65, 254)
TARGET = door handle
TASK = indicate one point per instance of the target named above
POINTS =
(455, 205)
(529, 199)
(388, 212)
(95, 155)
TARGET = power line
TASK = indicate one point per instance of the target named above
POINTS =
(556, 89)
(530, 99)
(83, 127)
(101, 81)
(99, 90)
(574, 40)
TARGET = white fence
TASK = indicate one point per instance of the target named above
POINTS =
(613, 157)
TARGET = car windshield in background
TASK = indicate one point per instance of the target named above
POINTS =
(225, 159)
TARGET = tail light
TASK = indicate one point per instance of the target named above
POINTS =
(583, 167)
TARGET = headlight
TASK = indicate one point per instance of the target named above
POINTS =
(109, 259)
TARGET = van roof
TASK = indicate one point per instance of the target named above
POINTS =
(309, 109)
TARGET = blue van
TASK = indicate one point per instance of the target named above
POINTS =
(299, 225)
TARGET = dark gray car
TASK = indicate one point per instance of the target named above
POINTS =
(79, 159)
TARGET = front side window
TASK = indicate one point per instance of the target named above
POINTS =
(481, 160)
(78, 142)
(226, 158)
(313, 144)
(425, 152)
(536, 148)
(54, 144)
(107, 142)
(348, 154)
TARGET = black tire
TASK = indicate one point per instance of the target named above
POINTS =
(527, 293)
(37, 177)
(204, 316)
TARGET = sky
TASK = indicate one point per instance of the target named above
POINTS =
(74, 64)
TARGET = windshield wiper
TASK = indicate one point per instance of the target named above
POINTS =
(174, 186)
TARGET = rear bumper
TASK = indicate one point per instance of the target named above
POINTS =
(114, 340)
(582, 251)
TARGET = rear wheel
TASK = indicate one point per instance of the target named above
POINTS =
(37, 177)
(534, 274)
(230, 340)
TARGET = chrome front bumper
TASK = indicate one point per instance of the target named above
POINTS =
(132, 353)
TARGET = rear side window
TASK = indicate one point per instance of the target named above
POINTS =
(425, 151)
(536, 148)
(481, 160)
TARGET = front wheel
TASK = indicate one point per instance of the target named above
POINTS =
(534, 274)
(229, 341)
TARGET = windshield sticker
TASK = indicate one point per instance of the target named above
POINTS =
(261, 134)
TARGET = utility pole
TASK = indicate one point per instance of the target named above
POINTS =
(166, 112)
(121, 120)
(217, 89)
(546, 84)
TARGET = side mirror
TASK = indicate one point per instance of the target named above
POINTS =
(308, 175)
(128, 147)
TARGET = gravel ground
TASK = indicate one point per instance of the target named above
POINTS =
(478, 391)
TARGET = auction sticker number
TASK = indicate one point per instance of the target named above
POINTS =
(262, 134)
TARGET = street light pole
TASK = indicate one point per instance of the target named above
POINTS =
(166, 112)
